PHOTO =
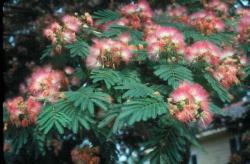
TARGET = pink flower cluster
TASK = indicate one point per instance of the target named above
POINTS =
(203, 51)
(45, 83)
(22, 113)
(178, 13)
(110, 53)
(164, 39)
(219, 7)
(206, 22)
(244, 29)
(243, 12)
(189, 102)
(225, 65)
(229, 70)
(136, 15)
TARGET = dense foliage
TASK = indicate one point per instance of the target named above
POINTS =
(130, 73)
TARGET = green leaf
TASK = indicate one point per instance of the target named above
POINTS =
(78, 48)
(247, 70)
(39, 140)
(173, 74)
(47, 52)
(104, 16)
(52, 117)
(135, 90)
(110, 116)
(86, 98)
(218, 88)
(20, 138)
(77, 116)
(108, 76)
(215, 109)
(140, 110)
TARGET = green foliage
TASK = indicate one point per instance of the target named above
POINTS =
(173, 73)
(78, 48)
(86, 99)
(215, 109)
(52, 117)
(217, 87)
(247, 70)
(168, 143)
(139, 110)
(46, 52)
(110, 116)
(77, 116)
(20, 138)
(104, 16)
(39, 140)
(108, 76)
(135, 90)
(140, 55)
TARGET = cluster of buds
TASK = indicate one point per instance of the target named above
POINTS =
(229, 70)
(110, 53)
(46, 83)
(85, 155)
(178, 13)
(21, 112)
(217, 6)
(203, 51)
(73, 80)
(165, 41)
(244, 29)
(206, 22)
(136, 15)
(189, 102)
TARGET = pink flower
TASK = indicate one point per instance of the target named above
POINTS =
(217, 6)
(51, 32)
(243, 12)
(136, 15)
(89, 19)
(189, 102)
(75, 81)
(204, 50)
(109, 53)
(92, 62)
(206, 22)
(15, 107)
(33, 109)
(164, 39)
(45, 83)
(125, 38)
(68, 36)
(126, 55)
(244, 29)
(69, 70)
(72, 23)
(177, 13)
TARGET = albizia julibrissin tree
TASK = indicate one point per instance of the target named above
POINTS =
(123, 72)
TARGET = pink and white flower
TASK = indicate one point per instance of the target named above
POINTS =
(203, 50)
(189, 102)
(72, 23)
